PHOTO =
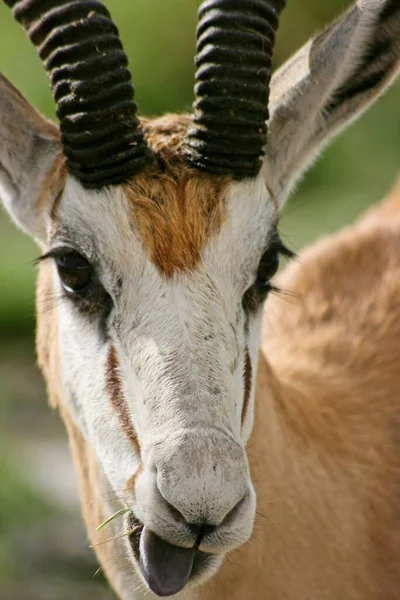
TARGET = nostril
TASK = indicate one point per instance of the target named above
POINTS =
(233, 513)
(201, 530)
(178, 516)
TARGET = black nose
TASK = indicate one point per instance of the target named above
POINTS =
(200, 530)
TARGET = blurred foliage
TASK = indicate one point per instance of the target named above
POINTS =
(355, 171)
(19, 504)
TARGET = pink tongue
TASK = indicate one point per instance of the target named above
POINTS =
(166, 568)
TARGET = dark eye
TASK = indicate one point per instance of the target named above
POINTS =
(75, 272)
(268, 267)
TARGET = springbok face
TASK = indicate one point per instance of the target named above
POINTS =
(160, 238)
(159, 336)
(159, 342)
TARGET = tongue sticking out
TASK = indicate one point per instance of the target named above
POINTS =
(166, 568)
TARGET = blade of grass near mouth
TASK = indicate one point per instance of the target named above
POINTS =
(117, 537)
(119, 513)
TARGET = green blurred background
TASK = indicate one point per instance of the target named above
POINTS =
(43, 548)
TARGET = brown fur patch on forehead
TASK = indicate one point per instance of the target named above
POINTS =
(165, 135)
(176, 208)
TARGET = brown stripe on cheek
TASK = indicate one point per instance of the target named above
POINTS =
(247, 380)
(130, 485)
(114, 389)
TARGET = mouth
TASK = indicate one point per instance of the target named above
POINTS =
(166, 568)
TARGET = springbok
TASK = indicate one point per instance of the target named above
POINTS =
(160, 238)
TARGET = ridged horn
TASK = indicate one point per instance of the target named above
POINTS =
(235, 40)
(88, 71)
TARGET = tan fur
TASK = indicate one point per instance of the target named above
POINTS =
(175, 208)
(325, 449)
(335, 353)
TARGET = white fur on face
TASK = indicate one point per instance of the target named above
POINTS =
(180, 345)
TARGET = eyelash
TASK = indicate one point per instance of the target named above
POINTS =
(92, 300)
(56, 253)
(257, 293)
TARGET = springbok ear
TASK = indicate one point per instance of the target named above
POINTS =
(326, 85)
(29, 150)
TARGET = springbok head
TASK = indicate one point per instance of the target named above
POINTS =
(160, 238)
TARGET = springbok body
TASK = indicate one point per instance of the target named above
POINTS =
(160, 238)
